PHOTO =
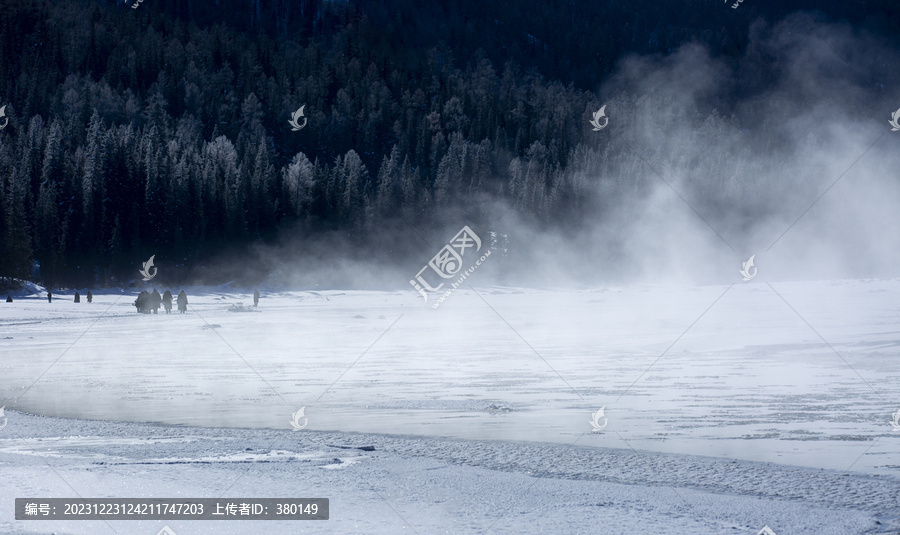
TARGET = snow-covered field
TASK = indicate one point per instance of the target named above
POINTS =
(467, 406)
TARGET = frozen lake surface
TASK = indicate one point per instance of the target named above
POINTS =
(801, 373)
(426, 485)
(749, 379)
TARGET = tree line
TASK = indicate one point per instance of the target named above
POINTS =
(161, 131)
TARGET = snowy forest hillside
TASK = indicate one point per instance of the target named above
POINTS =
(162, 128)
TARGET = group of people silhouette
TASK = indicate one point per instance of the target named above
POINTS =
(147, 301)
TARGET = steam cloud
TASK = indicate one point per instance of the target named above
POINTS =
(749, 144)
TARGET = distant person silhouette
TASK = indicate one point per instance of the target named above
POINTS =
(143, 302)
(9, 298)
(167, 301)
(90, 297)
(256, 298)
(49, 296)
(182, 302)
(155, 300)
(77, 297)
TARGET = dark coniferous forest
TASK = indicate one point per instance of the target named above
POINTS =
(163, 129)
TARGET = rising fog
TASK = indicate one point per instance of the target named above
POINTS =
(704, 162)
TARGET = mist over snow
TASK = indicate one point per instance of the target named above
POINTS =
(750, 160)
(698, 169)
